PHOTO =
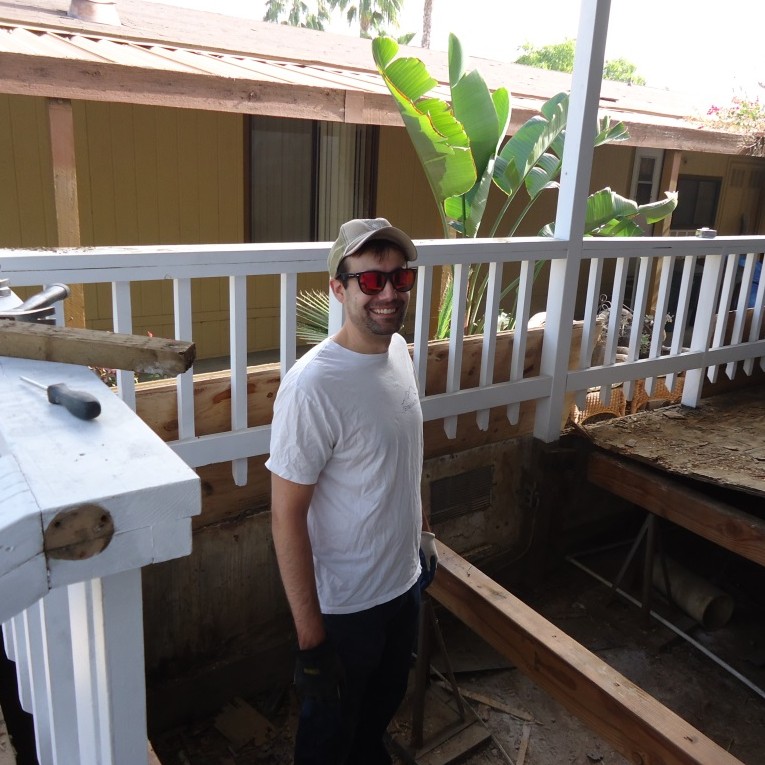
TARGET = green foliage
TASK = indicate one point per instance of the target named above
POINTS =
(298, 13)
(456, 142)
(371, 15)
(312, 312)
(559, 57)
(622, 70)
(459, 144)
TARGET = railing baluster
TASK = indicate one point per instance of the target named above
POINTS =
(723, 306)
(184, 383)
(681, 315)
(614, 321)
(287, 322)
(422, 326)
(638, 315)
(107, 646)
(589, 329)
(21, 657)
(518, 356)
(705, 311)
(123, 322)
(54, 610)
(238, 313)
(461, 274)
(666, 268)
(755, 328)
(741, 308)
(335, 314)
(491, 315)
(39, 683)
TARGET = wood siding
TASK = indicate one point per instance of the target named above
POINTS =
(27, 214)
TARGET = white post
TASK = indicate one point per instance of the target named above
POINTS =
(107, 646)
(572, 200)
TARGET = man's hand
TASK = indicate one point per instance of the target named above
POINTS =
(318, 673)
(428, 558)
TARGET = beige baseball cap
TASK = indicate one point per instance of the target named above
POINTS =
(356, 233)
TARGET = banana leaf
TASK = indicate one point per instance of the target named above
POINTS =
(438, 137)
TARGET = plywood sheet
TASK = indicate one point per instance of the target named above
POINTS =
(720, 442)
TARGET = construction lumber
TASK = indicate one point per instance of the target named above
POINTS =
(631, 720)
(723, 524)
(95, 348)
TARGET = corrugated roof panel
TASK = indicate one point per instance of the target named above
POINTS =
(202, 62)
(340, 79)
(276, 70)
(127, 54)
(33, 43)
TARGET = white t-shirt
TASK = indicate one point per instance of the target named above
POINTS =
(351, 423)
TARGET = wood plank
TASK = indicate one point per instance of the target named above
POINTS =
(716, 521)
(98, 81)
(722, 441)
(61, 125)
(631, 720)
(91, 347)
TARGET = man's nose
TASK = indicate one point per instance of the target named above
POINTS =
(389, 291)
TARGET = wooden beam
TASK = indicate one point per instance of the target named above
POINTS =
(718, 522)
(99, 81)
(668, 182)
(95, 348)
(631, 720)
(65, 199)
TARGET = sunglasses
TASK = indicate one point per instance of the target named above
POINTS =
(373, 282)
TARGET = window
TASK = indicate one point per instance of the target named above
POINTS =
(696, 202)
(646, 175)
(307, 178)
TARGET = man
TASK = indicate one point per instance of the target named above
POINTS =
(346, 461)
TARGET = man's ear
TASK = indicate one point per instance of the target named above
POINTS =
(338, 290)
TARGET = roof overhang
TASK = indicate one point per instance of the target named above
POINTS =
(272, 70)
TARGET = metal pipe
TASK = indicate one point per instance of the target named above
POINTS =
(684, 635)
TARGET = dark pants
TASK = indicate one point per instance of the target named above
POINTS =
(375, 647)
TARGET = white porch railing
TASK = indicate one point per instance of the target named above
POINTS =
(716, 273)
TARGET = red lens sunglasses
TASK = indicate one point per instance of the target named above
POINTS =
(373, 282)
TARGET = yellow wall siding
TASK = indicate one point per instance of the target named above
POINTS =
(27, 213)
(403, 194)
(152, 175)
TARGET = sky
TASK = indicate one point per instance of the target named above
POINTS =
(709, 49)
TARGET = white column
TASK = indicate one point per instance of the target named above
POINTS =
(572, 201)
(107, 640)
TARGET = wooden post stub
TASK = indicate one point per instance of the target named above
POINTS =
(78, 533)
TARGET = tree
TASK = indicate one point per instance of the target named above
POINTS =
(372, 15)
(427, 22)
(297, 13)
(621, 70)
(559, 57)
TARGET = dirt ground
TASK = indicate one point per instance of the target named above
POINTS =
(516, 722)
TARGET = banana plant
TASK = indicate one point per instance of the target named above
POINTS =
(459, 143)
(457, 140)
